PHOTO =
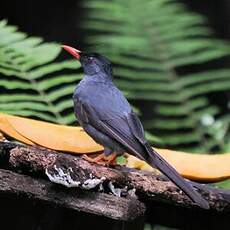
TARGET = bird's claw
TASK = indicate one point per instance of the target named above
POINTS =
(102, 159)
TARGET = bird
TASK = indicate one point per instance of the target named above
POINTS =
(105, 115)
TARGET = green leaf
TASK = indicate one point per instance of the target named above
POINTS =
(121, 160)
(223, 184)
(34, 84)
(149, 41)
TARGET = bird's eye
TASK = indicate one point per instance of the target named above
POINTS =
(90, 59)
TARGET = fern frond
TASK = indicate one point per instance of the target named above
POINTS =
(149, 41)
(32, 83)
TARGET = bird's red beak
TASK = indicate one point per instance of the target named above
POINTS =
(72, 51)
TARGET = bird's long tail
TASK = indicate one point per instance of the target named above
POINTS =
(155, 160)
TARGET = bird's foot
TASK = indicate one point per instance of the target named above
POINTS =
(97, 160)
(102, 159)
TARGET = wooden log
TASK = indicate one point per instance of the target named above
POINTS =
(73, 171)
(101, 204)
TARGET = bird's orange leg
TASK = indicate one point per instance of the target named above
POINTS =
(102, 159)
(111, 159)
(97, 159)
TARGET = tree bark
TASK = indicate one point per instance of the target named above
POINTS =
(74, 171)
(101, 204)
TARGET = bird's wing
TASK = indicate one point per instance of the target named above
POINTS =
(116, 127)
(127, 130)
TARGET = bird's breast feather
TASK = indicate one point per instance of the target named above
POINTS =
(106, 100)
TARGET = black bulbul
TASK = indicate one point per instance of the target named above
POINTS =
(106, 115)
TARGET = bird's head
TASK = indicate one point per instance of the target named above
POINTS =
(92, 63)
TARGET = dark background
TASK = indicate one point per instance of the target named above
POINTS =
(60, 20)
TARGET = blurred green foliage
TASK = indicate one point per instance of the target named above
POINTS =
(31, 83)
(152, 44)
(223, 184)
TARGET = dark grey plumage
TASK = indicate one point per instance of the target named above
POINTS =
(105, 114)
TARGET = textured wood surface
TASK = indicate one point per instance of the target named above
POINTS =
(118, 193)
(101, 204)
(147, 186)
